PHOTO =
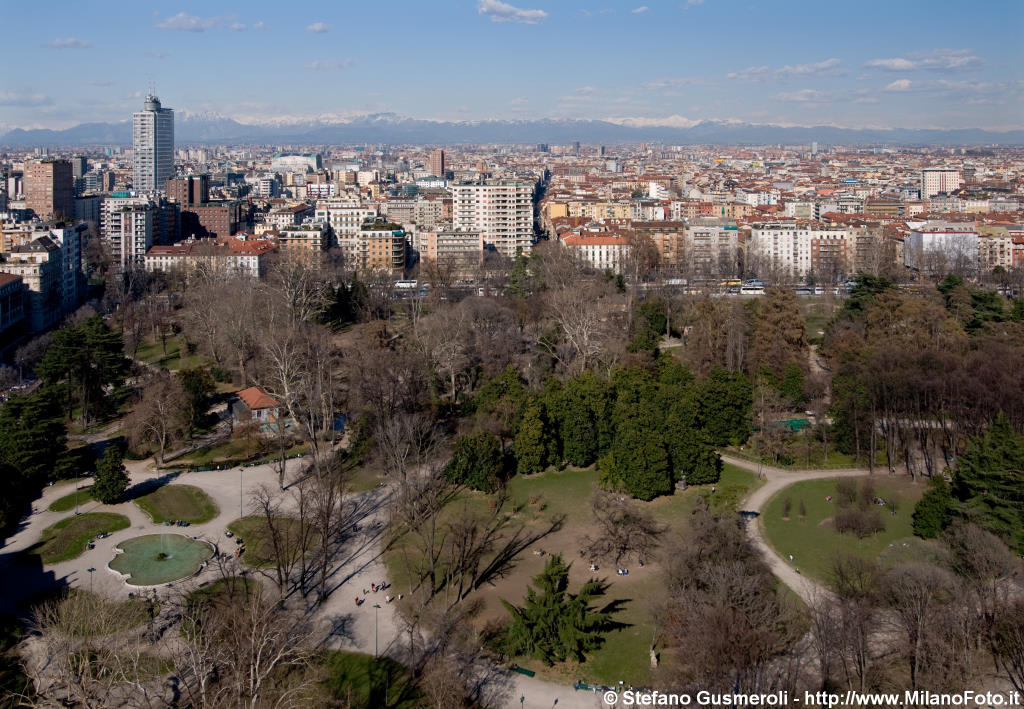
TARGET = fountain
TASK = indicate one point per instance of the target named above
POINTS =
(154, 559)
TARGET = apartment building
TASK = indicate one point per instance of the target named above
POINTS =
(501, 212)
(793, 250)
(712, 247)
(935, 180)
(50, 188)
(248, 257)
(936, 247)
(382, 246)
(346, 219)
(603, 251)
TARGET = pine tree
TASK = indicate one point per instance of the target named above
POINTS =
(553, 625)
(477, 462)
(531, 444)
(989, 482)
(933, 511)
(111, 478)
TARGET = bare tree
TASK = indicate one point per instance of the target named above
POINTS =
(624, 530)
(160, 416)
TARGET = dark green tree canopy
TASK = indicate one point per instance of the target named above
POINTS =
(477, 463)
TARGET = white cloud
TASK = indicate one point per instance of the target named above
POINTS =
(828, 67)
(694, 3)
(935, 60)
(899, 85)
(70, 43)
(24, 98)
(319, 28)
(259, 25)
(503, 12)
(183, 22)
(156, 55)
(642, 8)
(238, 27)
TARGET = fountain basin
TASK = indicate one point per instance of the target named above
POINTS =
(154, 559)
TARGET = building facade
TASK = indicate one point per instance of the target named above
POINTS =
(50, 188)
(501, 212)
(153, 141)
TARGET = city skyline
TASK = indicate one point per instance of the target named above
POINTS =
(909, 66)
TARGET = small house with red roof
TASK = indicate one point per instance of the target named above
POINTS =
(254, 404)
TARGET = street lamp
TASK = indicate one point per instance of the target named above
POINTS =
(376, 609)
(90, 570)
(240, 513)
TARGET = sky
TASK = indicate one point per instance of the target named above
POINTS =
(909, 64)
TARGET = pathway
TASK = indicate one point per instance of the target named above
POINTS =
(777, 479)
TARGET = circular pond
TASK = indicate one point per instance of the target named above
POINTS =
(154, 559)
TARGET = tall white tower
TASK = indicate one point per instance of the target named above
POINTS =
(153, 136)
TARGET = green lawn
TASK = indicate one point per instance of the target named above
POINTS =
(259, 550)
(67, 539)
(178, 502)
(625, 654)
(153, 352)
(79, 497)
(364, 681)
(814, 543)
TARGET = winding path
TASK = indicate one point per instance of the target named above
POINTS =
(779, 479)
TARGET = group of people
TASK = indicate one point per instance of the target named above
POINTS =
(374, 587)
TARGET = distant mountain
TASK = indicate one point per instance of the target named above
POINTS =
(393, 129)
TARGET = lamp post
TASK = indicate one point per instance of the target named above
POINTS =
(376, 611)
(240, 513)
(90, 570)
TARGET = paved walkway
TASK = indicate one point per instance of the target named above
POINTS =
(778, 479)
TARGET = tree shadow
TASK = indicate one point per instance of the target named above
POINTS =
(145, 487)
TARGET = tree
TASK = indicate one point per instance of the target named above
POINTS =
(553, 625)
(477, 462)
(86, 360)
(198, 385)
(989, 482)
(638, 462)
(725, 406)
(779, 334)
(933, 511)
(161, 415)
(111, 478)
(624, 530)
(531, 444)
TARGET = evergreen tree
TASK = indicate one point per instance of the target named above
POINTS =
(989, 482)
(933, 511)
(638, 463)
(553, 625)
(519, 278)
(111, 478)
(792, 386)
(477, 462)
(85, 360)
(199, 386)
(726, 403)
(581, 412)
(531, 444)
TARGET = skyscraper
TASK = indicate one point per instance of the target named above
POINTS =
(437, 162)
(153, 134)
(49, 188)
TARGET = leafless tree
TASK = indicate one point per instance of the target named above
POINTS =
(624, 530)
(160, 416)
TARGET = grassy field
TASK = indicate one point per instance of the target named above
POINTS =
(814, 543)
(259, 550)
(801, 461)
(364, 681)
(153, 352)
(68, 538)
(178, 502)
(535, 499)
(79, 497)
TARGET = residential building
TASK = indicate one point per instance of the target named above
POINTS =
(12, 305)
(460, 251)
(437, 166)
(938, 247)
(247, 256)
(50, 188)
(38, 264)
(383, 247)
(346, 220)
(794, 250)
(153, 140)
(936, 180)
(603, 251)
(291, 215)
(305, 242)
(502, 212)
(712, 247)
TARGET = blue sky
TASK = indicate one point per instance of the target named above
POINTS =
(867, 63)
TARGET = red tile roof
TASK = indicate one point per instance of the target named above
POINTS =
(256, 399)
